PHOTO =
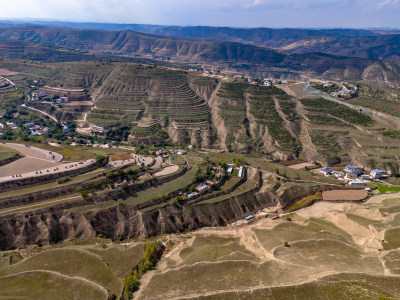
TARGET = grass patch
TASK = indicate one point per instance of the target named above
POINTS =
(162, 189)
(383, 189)
(306, 201)
(6, 153)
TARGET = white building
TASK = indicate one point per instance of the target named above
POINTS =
(378, 174)
(338, 174)
(326, 171)
(357, 181)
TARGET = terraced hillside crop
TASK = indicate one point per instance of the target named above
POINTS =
(125, 93)
(5, 86)
(257, 117)
(187, 108)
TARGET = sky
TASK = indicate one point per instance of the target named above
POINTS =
(233, 13)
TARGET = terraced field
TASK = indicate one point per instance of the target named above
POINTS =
(326, 251)
(185, 108)
(92, 269)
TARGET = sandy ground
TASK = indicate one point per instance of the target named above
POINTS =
(158, 162)
(31, 167)
(363, 226)
(145, 159)
(34, 159)
(35, 152)
(26, 165)
(380, 198)
(300, 166)
(136, 159)
(167, 171)
(344, 195)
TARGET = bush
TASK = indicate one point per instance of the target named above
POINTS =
(150, 257)
(286, 244)
(101, 159)
(64, 180)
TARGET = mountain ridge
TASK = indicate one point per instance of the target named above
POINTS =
(209, 53)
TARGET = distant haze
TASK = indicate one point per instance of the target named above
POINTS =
(234, 13)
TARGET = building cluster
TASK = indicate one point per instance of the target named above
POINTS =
(36, 129)
(265, 81)
(354, 176)
(204, 187)
(42, 95)
(346, 90)
(12, 125)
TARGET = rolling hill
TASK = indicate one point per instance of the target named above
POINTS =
(209, 53)
(344, 42)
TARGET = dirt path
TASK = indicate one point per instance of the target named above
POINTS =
(283, 116)
(40, 111)
(309, 150)
(259, 130)
(84, 280)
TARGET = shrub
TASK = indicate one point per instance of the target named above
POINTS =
(101, 159)
(150, 257)
(64, 180)
(286, 244)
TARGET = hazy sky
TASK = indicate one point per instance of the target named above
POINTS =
(237, 13)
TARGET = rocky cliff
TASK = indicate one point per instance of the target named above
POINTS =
(52, 226)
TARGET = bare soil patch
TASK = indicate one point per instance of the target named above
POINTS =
(25, 165)
(300, 166)
(167, 171)
(5, 72)
(344, 195)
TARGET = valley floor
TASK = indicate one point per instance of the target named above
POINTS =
(333, 251)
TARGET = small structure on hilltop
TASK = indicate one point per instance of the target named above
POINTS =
(98, 129)
(180, 152)
(249, 217)
(240, 174)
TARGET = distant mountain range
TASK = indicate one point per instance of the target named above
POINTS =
(287, 63)
(381, 44)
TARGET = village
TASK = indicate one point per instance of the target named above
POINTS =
(354, 176)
